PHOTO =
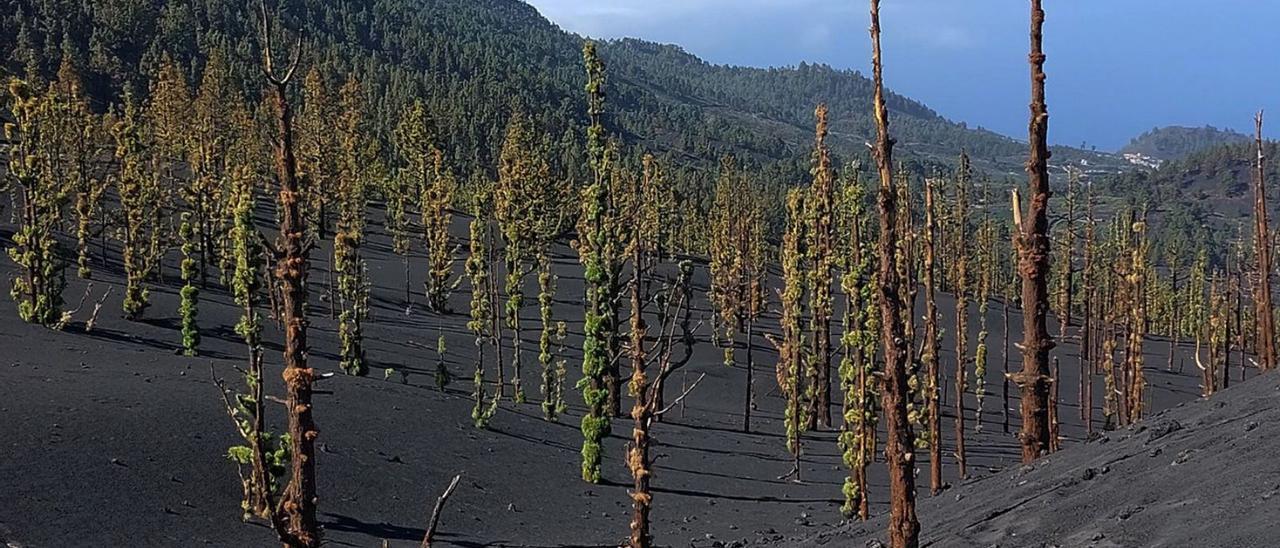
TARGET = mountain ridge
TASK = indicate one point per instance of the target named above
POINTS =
(473, 61)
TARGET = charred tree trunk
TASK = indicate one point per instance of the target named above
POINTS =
(298, 504)
(904, 528)
(1055, 429)
(933, 371)
(1004, 384)
(1266, 333)
(751, 367)
(1033, 261)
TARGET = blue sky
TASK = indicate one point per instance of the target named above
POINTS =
(1116, 67)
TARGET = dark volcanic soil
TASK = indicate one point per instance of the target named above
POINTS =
(111, 438)
(1200, 474)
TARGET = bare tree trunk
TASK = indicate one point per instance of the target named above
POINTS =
(1033, 245)
(298, 503)
(1004, 353)
(962, 335)
(1054, 426)
(904, 528)
(933, 371)
(1266, 333)
(750, 393)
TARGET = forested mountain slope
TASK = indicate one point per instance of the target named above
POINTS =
(475, 60)
(1204, 199)
(1175, 142)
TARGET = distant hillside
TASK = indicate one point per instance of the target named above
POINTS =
(473, 60)
(1204, 197)
(1173, 142)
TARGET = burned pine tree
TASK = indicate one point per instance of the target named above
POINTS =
(904, 528)
(138, 188)
(857, 439)
(207, 194)
(1033, 261)
(33, 164)
(264, 458)
(353, 287)
(318, 162)
(673, 298)
(600, 250)
(959, 268)
(297, 507)
(791, 355)
(478, 272)
(986, 263)
(1265, 313)
(821, 233)
(932, 350)
(736, 266)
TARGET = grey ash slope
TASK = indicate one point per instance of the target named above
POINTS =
(1201, 474)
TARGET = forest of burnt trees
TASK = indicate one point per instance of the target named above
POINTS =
(183, 167)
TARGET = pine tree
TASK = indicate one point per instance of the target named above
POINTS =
(553, 402)
(960, 284)
(986, 255)
(857, 367)
(725, 262)
(904, 528)
(931, 349)
(437, 198)
(208, 190)
(597, 248)
(1135, 273)
(398, 194)
(263, 459)
(353, 292)
(673, 300)
(1033, 261)
(190, 294)
(530, 213)
(478, 273)
(82, 144)
(435, 184)
(735, 265)
(296, 521)
(32, 165)
(822, 260)
(791, 353)
(318, 160)
(1264, 314)
(138, 188)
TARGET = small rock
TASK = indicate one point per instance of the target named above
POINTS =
(1089, 473)
(1163, 429)
(118, 462)
(1250, 426)
(1128, 512)
(1155, 452)
(511, 507)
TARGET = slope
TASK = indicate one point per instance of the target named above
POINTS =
(1174, 142)
(117, 439)
(1195, 475)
